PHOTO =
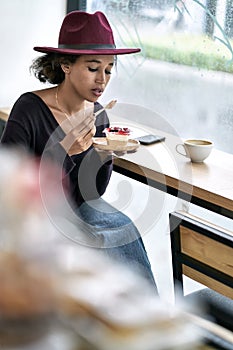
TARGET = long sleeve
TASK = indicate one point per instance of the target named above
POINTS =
(32, 126)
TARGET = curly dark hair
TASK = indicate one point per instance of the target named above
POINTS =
(47, 68)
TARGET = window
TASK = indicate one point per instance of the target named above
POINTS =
(75, 5)
(184, 71)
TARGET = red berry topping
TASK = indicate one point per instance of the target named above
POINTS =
(118, 130)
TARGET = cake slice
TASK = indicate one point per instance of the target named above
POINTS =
(117, 136)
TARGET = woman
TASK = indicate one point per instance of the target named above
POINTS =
(58, 123)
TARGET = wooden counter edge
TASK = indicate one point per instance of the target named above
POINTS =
(205, 222)
(4, 113)
(178, 184)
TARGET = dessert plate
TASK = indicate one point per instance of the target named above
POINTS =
(101, 144)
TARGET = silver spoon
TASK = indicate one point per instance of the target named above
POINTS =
(109, 105)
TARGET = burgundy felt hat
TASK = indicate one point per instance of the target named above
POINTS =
(83, 33)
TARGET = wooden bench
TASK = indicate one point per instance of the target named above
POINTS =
(204, 252)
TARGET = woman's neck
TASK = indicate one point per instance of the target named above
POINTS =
(67, 102)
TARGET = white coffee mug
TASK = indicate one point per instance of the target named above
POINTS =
(195, 149)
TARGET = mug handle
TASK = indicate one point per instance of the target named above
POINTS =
(178, 151)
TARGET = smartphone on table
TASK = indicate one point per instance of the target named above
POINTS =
(150, 139)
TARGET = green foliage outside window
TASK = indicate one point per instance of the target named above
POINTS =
(197, 51)
(204, 50)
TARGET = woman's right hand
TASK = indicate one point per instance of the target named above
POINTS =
(78, 135)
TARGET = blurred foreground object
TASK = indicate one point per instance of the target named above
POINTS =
(113, 308)
(56, 294)
(27, 273)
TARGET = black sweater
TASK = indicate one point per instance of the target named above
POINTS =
(32, 126)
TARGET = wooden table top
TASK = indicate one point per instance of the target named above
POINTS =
(4, 113)
(208, 184)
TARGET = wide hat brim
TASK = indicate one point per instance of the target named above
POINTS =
(83, 33)
(45, 49)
